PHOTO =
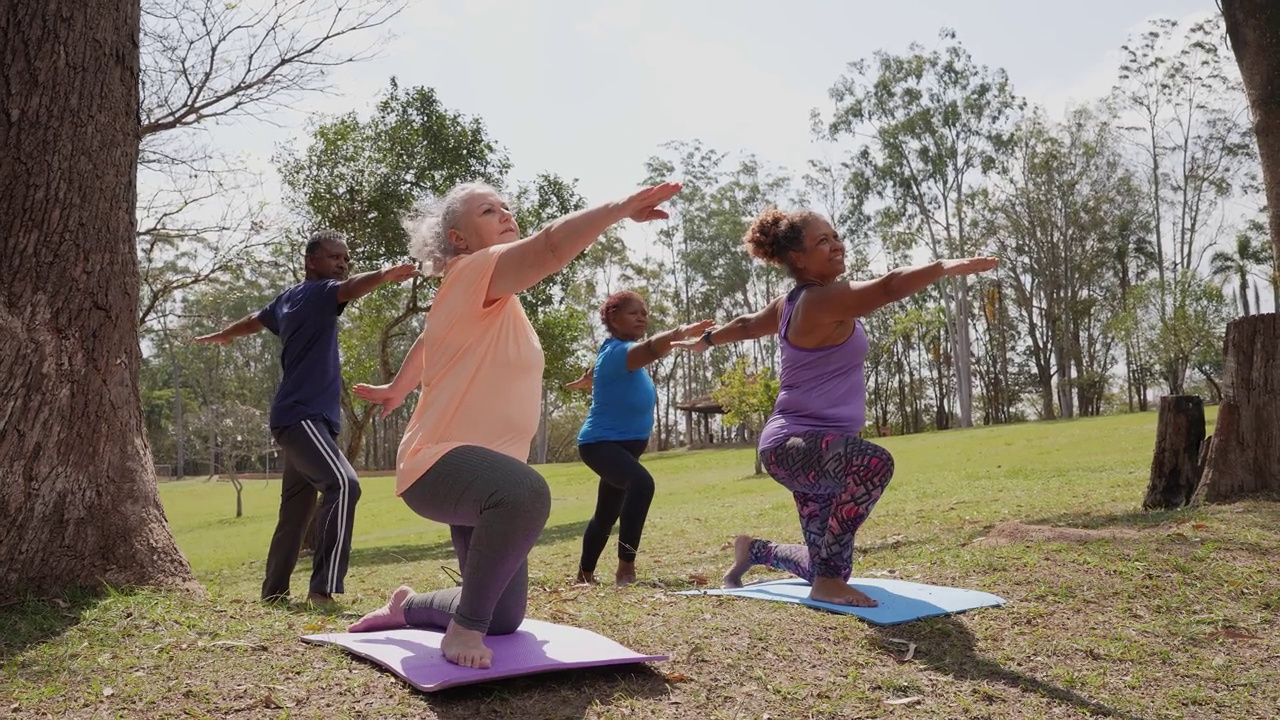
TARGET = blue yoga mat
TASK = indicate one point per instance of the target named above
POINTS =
(900, 601)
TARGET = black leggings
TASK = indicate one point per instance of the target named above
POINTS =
(626, 489)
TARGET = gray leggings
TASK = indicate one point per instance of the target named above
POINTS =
(495, 507)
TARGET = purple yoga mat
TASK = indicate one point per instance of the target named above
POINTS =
(537, 647)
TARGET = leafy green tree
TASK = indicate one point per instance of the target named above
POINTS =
(1249, 256)
(357, 176)
(748, 396)
(935, 124)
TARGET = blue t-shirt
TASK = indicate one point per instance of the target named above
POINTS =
(306, 318)
(622, 401)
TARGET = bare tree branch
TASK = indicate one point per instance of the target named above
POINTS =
(205, 59)
(177, 249)
(198, 211)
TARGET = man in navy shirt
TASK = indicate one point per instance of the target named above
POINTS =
(305, 414)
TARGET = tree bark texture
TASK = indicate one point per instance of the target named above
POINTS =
(1245, 456)
(1253, 26)
(1175, 468)
(77, 487)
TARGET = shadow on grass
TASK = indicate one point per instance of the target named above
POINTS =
(567, 694)
(34, 621)
(1135, 519)
(442, 550)
(946, 645)
(1262, 511)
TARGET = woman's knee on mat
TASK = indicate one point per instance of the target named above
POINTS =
(506, 620)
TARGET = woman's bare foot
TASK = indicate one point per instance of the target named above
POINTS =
(626, 574)
(386, 617)
(839, 592)
(466, 647)
(585, 578)
(741, 562)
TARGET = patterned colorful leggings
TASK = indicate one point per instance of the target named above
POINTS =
(836, 480)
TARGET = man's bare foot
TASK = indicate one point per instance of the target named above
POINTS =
(626, 574)
(585, 578)
(741, 562)
(388, 616)
(839, 592)
(465, 647)
(316, 598)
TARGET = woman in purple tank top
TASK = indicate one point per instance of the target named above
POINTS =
(811, 444)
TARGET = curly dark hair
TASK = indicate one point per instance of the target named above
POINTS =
(775, 233)
(616, 302)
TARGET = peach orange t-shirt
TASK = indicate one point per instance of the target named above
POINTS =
(481, 373)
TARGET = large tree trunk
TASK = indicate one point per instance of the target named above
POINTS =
(77, 486)
(1244, 458)
(1253, 27)
(1175, 467)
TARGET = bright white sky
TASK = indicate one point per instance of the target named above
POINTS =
(589, 89)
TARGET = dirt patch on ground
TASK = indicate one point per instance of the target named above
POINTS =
(1016, 532)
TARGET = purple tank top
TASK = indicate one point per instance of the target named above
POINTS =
(820, 389)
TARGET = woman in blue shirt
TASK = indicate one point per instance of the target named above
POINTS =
(617, 429)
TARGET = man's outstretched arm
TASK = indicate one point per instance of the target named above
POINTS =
(247, 325)
(357, 286)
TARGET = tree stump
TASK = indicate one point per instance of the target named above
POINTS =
(1245, 456)
(1175, 468)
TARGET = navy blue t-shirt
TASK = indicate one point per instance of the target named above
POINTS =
(622, 400)
(306, 318)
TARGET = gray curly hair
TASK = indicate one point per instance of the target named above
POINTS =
(428, 224)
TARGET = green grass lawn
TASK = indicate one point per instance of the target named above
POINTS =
(1127, 621)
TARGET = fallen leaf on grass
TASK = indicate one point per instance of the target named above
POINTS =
(270, 702)
(676, 677)
(60, 603)
(234, 643)
(1233, 635)
(1199, 526)
(108, 692)
(698, 578)
(911, 648)
(903, 701)
(583, 587)
(313, 627)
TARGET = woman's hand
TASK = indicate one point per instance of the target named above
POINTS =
(692, 337)
(385, 395)
(582, 383)
(968, 266)
(693, 330)
(643, 206)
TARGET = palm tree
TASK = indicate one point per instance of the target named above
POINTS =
(1250, 255)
